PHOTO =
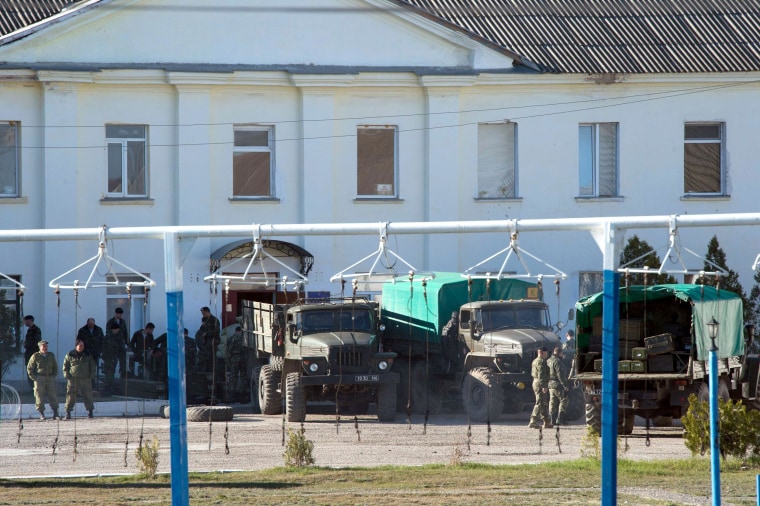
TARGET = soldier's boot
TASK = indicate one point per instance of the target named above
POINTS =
(90, 415)
(42, 415)
(56, 415)
(68, 415)
(548, 424)
(533, 424)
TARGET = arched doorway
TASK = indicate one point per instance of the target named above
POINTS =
(290, 254)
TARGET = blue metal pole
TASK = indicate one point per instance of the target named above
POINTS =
(714, 433)
(610, 331)
(757, 488)
(176, 371)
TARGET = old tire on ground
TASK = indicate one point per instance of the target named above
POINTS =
(254, 390)
(270, 400)
(386, 402)
(164, 411)
(513, 401)
(209, 413)
(427, 396)
(295, 398)
(576, 405)
(483, 399)
(594, 417)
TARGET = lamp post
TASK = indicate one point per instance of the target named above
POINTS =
(712, 329)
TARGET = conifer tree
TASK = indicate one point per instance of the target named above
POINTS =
(636, 248)
(730, 282)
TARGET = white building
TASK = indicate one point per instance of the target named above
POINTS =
(166, 112)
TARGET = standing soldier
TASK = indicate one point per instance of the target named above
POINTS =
(190, 352)
(540, 372)
(31, 341)
(93, 336)
(236, 367)
(121, 357)
(112, 346)
(558, 387)
(207, 338)
(43, 369)
(78, 369)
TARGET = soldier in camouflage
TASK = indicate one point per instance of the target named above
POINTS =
(43, 369)
(558, 387)
(540, 373)
(207, 338)
(31, 340)
(237, 373)
(79, 370)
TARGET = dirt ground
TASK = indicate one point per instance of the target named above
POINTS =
(106, 444)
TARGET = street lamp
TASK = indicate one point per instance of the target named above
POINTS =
(712, 330)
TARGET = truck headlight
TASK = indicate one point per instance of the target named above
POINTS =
(313, 367)
(382, 365)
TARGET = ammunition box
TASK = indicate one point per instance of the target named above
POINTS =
(662, 343)
(624, 366)
(639, 354)
(638, 366)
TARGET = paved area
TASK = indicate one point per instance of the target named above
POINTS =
(106, 444)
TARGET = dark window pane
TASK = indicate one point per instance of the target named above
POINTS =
(702, 168)
(255, 138)
(136, 168)
(704, 132)
(114, 168)
(125, 131)
(375, 161)
(251, 176)
(8, 160)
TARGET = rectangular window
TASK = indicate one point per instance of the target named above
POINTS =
(9, 159)
(497, 161)
(376, 161)
(703, 158)
(253, 162)
(127, 168)
(12, 334)
(598, 160)
(132, 302)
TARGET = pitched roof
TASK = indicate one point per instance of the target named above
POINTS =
(18, 14)
(614, 36)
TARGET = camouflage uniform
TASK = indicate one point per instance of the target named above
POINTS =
(236, 366)
(79, 370)
(207, 338)
(43, 369)
(32, 338)
(558, 388)
(540, 373)
(93, 340)
(113, 346)
(119, 348)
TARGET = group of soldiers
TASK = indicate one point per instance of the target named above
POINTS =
(551, 387)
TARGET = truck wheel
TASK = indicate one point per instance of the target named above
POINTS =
(576, 405)
(594, 417)
(276, 362)
(295, 399)
(483, 399)
(270, 400)
(386, 402)
(254, 390)
(426, 395)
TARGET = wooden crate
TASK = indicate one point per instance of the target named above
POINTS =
(659, 344)
(638, 366)
(630, 329)
(624, 366)
(598, 365)
(639, 353)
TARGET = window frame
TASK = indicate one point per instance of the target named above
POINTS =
(394, 194)
(482, 194)
(721, 142)
(269, 148)
(596, 166)
(124, 142)
(16, 187)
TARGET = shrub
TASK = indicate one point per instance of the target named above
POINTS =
(147, 458)
(298, 450)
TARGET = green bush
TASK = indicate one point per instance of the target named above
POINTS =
(147, 457)
(298, 450)
(739, 429)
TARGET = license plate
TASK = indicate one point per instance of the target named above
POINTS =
(595, 391)
(365, 378)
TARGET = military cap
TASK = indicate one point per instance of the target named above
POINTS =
(42, 342)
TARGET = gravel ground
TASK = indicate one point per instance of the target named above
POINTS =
(97, 446)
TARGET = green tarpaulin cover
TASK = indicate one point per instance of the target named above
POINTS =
(707, 303)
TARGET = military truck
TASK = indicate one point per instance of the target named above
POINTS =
(664, 348)
(485, 362)
(318, 350)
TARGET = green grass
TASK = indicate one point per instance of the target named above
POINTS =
(573, 482)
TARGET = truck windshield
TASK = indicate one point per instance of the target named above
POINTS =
(336, 321)
(500, 318)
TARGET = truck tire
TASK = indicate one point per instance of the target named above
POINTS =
(482, 395)
(594, 417)
(295, 398)
(209, 413)
(386, 402)
(254, 391)
(576, 405)
(276, 362)
(427, 396)
(270, 400)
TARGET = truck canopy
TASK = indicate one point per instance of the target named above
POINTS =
(428, 308)
(706, 303)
